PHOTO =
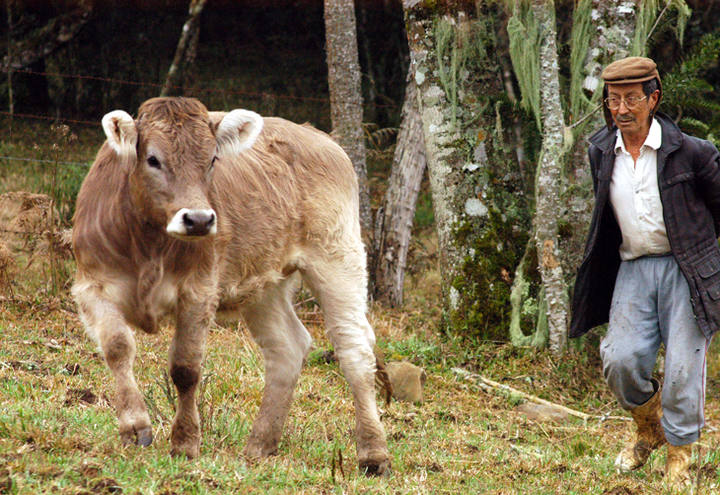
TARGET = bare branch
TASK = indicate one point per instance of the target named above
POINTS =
(45, 40)
(188, 32)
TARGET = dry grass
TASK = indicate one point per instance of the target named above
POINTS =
(58, 430)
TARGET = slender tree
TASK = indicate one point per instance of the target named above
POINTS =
(602, 31)
(548, 183)
(185, 47)
(346, 110)
(11, 103)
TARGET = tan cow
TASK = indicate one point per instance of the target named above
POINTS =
(187, 212)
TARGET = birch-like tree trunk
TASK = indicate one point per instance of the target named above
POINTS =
(444, 163)
(395, 218)
(612, 25)
(346, 109)
(548, 186)
(189, 31)
(481, 231)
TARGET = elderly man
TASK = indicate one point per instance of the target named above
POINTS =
(652, 264)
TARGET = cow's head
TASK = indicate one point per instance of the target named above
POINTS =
(170, 151)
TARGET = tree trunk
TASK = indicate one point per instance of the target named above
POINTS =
(602, 32)
(189, 31)
(45, 40)
(481, 225)
(188, 72)
(395, 219)
(370, 65)
(548, 186)
(346, 109)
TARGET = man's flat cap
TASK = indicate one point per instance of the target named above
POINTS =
(630, 70)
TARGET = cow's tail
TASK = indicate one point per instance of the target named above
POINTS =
(382, 379)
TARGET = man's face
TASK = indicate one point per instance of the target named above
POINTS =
(629, 118)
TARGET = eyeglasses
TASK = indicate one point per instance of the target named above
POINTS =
(613, 102)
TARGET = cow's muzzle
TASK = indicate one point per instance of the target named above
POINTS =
(192, 223)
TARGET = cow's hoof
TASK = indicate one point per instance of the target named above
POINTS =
(375, 468)
(189, 451)
(257, 450)
(142, 437)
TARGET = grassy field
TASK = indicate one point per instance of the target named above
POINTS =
(58, 432)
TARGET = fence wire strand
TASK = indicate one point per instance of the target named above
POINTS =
(41, 160)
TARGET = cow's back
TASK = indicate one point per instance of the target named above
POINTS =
(295, 188)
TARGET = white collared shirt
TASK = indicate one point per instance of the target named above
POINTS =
(635, 198)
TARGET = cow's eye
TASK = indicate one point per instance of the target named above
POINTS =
(153, 162)
(212, 163)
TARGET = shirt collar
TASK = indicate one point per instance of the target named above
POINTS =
(653, 139)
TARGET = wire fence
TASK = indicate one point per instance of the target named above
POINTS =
(14, 115)
(42, 160)
(191, 89)
(186, 89)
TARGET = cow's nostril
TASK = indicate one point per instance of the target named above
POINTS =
(188, 221)
(211, 220)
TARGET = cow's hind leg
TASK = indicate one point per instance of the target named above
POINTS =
(106, 325)
(285, 343)
(339, 280)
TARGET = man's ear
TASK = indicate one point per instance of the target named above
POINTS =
(121, 132)
(238, 130)
(654, 100)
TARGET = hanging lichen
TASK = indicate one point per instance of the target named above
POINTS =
(579, 44)
(528, 311)
(650, 13)
(524, 36)
(455, 44)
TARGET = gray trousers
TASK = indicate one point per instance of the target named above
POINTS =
(651, 305)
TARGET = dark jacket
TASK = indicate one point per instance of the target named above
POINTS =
(689, 184)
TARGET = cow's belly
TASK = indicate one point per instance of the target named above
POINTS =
(236, 294)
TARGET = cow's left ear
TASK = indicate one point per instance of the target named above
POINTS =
(238, 131)
(120, 131)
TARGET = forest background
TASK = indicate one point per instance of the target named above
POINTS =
(496, 97)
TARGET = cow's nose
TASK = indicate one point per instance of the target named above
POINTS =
(198, 222)
(192, 223)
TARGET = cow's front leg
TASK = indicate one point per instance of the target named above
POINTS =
(106, 325)
(186, 354)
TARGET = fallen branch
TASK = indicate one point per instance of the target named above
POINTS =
(487, 384)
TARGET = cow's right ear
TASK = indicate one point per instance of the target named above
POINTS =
(121, 132)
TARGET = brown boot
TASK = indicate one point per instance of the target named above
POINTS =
(677, 468)
(649, 435)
